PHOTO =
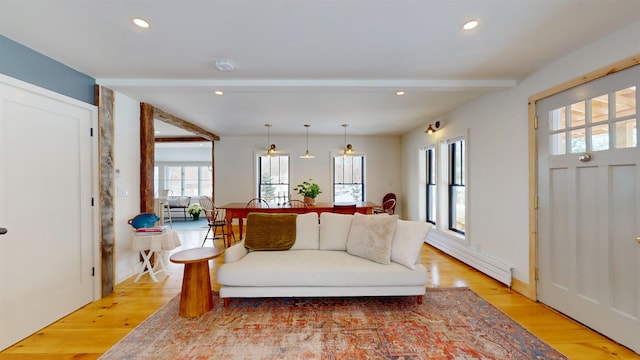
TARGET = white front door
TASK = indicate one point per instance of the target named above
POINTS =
(589, 205)
(46, 177)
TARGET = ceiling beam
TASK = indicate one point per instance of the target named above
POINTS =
(351, 84)
(162, 115)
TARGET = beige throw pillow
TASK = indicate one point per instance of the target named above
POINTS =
(407, 242)
(370, 237)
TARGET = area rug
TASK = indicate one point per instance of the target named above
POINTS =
(450, 324)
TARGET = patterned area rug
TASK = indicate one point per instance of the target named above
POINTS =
(450, 324)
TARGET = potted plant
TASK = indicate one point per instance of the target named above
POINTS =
(309, 190)
(194, 210)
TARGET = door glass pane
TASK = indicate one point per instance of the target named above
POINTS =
(626, 102)
(558, 143)
(578, 141)
(578, 114)
(600, 137)
(626, 134)
(600, 108)
(557, 119)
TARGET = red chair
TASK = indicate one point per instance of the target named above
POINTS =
(388, 205)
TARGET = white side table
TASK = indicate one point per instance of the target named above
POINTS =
(149, 243)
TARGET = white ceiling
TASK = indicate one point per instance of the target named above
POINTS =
(318, 62)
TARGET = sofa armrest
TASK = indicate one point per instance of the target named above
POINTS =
(235, 252)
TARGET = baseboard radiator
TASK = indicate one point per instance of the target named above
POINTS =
(495, 268)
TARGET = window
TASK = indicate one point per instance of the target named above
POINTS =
(430, 166)
(600, 123)
(273, 179)
(348, 178)
(184, 179)
(457, 198)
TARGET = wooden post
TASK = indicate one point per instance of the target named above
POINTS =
(147, 157)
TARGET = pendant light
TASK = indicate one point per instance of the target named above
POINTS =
(271, 148)
(348, 149)
(307, 155)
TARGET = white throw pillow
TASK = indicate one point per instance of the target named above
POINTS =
(370, 237)
(407, 242)
(307, 236)
(334, 231)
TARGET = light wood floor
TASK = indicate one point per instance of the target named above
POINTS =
(90, 331)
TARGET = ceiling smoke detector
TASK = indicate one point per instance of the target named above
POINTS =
(224, 65)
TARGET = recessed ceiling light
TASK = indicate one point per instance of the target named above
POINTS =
(140, 22)
(400, 92)
(471, 24)
(219, 92)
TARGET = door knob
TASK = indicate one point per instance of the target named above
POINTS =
(4, 231)
(638, 239)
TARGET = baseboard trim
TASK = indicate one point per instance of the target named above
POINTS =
(494, 268)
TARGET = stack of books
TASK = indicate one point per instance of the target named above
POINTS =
(152, 230)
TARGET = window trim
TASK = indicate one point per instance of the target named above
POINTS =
(431, 172)
(258, 177)
(333, 175)
(452, 185)
(160, 181)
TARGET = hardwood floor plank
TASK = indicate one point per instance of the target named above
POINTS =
(93, 329)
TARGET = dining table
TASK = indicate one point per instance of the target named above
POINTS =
(239, 210)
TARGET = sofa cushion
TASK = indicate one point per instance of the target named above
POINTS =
(315, 268)
(270, 231)
(407, 242)
(307, 236)
(334, 231)
(370, 237)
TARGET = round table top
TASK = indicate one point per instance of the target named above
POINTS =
(195, 255)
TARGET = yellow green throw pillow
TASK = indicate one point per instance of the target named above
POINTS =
(270, 231)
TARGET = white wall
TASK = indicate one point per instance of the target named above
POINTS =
(498, 151)
(183, 152)
(235, 164)
(127, 201)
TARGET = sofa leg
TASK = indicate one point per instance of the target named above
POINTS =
(225, 302)
(419, 298)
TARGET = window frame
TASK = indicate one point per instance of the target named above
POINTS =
(431, 182)
(457, 179)
(280, 196)
(161, 180)
(335, 184)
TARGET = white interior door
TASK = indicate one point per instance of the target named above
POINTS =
(589, 205)
(46, 171)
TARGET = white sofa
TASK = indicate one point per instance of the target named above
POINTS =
(331, 259)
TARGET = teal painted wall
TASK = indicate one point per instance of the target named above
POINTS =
(20, 62)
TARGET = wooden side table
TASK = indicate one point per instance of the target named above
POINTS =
(195, 298)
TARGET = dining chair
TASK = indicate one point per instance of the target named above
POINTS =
(387, 207)
(296, 204)
(257, 202)
(388, 204)
(215, 220)
(344, 208)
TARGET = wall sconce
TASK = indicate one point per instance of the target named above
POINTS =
(348, 148)
(271, 147)
(433, 127)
